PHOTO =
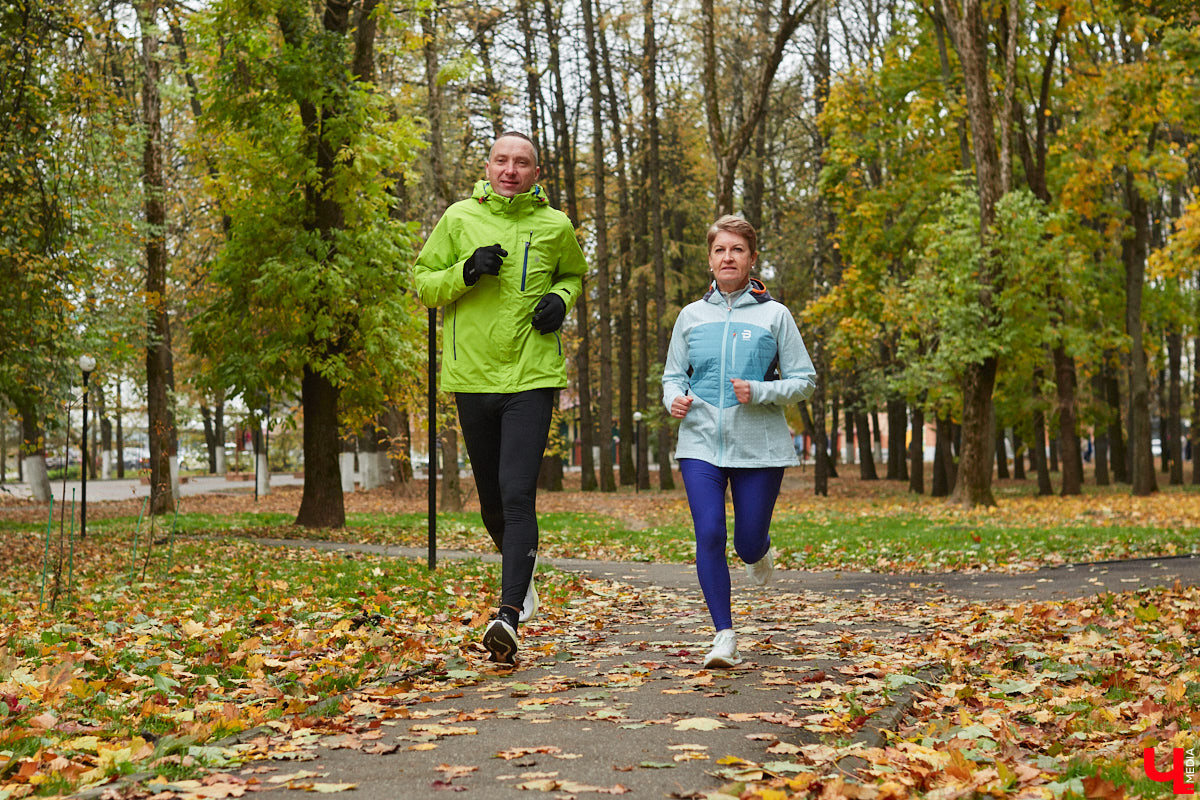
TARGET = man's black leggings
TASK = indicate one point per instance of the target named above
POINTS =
(506, 437)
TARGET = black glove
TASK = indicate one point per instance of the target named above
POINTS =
(548, 316)
(484, 261)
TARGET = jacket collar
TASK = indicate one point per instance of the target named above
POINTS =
(500, 204)
(756, 292)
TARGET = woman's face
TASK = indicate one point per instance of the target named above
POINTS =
(730, 260)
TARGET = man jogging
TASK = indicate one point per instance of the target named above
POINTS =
(507, 268)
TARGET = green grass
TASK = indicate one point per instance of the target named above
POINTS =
(884, 540)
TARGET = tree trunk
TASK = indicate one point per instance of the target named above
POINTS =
(1100, 456)
(106, 440)
(533, 90)
(321, 504)
(1194, 429)
(897, 417)
(602, 284)
(1144, 481)
(944, 472)
(564, 154)
(1001, 455)
(399, 446)
(495, 95)
(33, 451)
(848, 423)
(916, 451)
(1173, 441)
(666, 480)
(974, 484)
(1039, 449)
(1018, 456)
(835, 416)
(452, 493)
(625, 301)
(1068, 433)
(643, 450)
(814, 424)
(866, 458)
(120, 413)
(210, 436)
(368, 453)
(160, 369)
(1116, 436)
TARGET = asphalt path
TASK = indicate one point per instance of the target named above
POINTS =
(626, 707)
(622, 706)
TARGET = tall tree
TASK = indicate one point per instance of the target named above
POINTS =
(303, 176)
(602, 284)
(729, 139)
(662, 337)
(968, 26)
(160, 364)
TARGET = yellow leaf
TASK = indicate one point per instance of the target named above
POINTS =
(698, 724)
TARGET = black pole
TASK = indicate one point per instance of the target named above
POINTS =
(637, 456)
(432, 462)
(83, 463)
(266, 441)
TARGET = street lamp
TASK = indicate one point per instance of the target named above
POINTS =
(637, 451)
(87, 364)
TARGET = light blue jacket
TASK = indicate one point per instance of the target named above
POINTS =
(715, 341)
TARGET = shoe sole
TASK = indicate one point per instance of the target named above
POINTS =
(721, 663)
(500, 645)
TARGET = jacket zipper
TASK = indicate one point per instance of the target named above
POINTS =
(525, 265)
(454, 331)
(721, 410)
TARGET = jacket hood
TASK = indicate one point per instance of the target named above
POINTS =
(484, 194)
(756, 290)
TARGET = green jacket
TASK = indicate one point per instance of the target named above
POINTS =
(488, 341)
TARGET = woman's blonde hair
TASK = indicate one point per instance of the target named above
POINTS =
(737, 226)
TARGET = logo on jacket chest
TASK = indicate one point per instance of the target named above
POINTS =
(743, 334)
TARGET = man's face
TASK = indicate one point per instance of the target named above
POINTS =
(512, 167)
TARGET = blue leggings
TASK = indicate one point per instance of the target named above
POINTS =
(754, 494)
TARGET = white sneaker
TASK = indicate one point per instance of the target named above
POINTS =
(761, 571)
(501, 641)
(724, 653)
(529, 608)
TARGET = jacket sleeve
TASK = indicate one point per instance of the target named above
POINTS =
(438, 272)
(675, 378)
(571, 267)
(797, 378)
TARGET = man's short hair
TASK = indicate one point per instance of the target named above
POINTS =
(737, 226)
(519, 135)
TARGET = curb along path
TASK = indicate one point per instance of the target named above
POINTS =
(609, 698)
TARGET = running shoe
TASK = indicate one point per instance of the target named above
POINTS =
(501, 641)
(724, 653)
(761, 571)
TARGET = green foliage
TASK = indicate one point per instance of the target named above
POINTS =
(275, 103)
(1033, 254)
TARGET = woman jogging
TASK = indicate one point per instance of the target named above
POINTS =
(736, 360)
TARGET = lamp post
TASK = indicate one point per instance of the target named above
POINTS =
(637, 451)
(87, 364)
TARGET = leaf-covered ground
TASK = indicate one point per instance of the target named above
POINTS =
(123, 661)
